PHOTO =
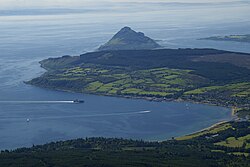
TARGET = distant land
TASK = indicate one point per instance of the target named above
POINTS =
(128, 39)
(44, 11)
(199, 75)
(235, 38)
(129, 66)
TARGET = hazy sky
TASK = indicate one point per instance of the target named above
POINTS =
(82, 3)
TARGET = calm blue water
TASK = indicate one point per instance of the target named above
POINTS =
(25, 40)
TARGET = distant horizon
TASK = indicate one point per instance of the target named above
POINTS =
(26, 4)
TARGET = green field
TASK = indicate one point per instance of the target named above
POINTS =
(239, 89)
(200, 75)
(157, 82)
(236, 142)
(213, 130)
(226, 136)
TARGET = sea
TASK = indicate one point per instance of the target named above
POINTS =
(31, 115)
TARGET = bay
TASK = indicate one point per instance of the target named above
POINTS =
(31, 115)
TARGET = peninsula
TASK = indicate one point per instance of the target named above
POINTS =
(200, 75)
(235, 38)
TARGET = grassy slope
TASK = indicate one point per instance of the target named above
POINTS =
(235, 141)
(213, 130)
(183, 73)
(157, 82)
(237, 94)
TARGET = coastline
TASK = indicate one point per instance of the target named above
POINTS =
(153, 99)
(191, 135)
(210, 127)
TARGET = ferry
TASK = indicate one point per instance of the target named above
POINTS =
(78, 101)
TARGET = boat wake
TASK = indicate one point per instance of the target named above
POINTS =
(73, 116)
(35, 102)
(94, 115)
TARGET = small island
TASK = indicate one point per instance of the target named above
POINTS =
(234, 38)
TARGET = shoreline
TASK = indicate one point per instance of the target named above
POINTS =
(210, 127)
(153, 99)
(204, 130)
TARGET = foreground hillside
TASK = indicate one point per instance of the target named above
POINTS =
(225, 145)
(200, 75)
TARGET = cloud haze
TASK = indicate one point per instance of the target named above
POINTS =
(85, 3)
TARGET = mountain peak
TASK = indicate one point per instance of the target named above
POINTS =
(128, 39)
(126, 29)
